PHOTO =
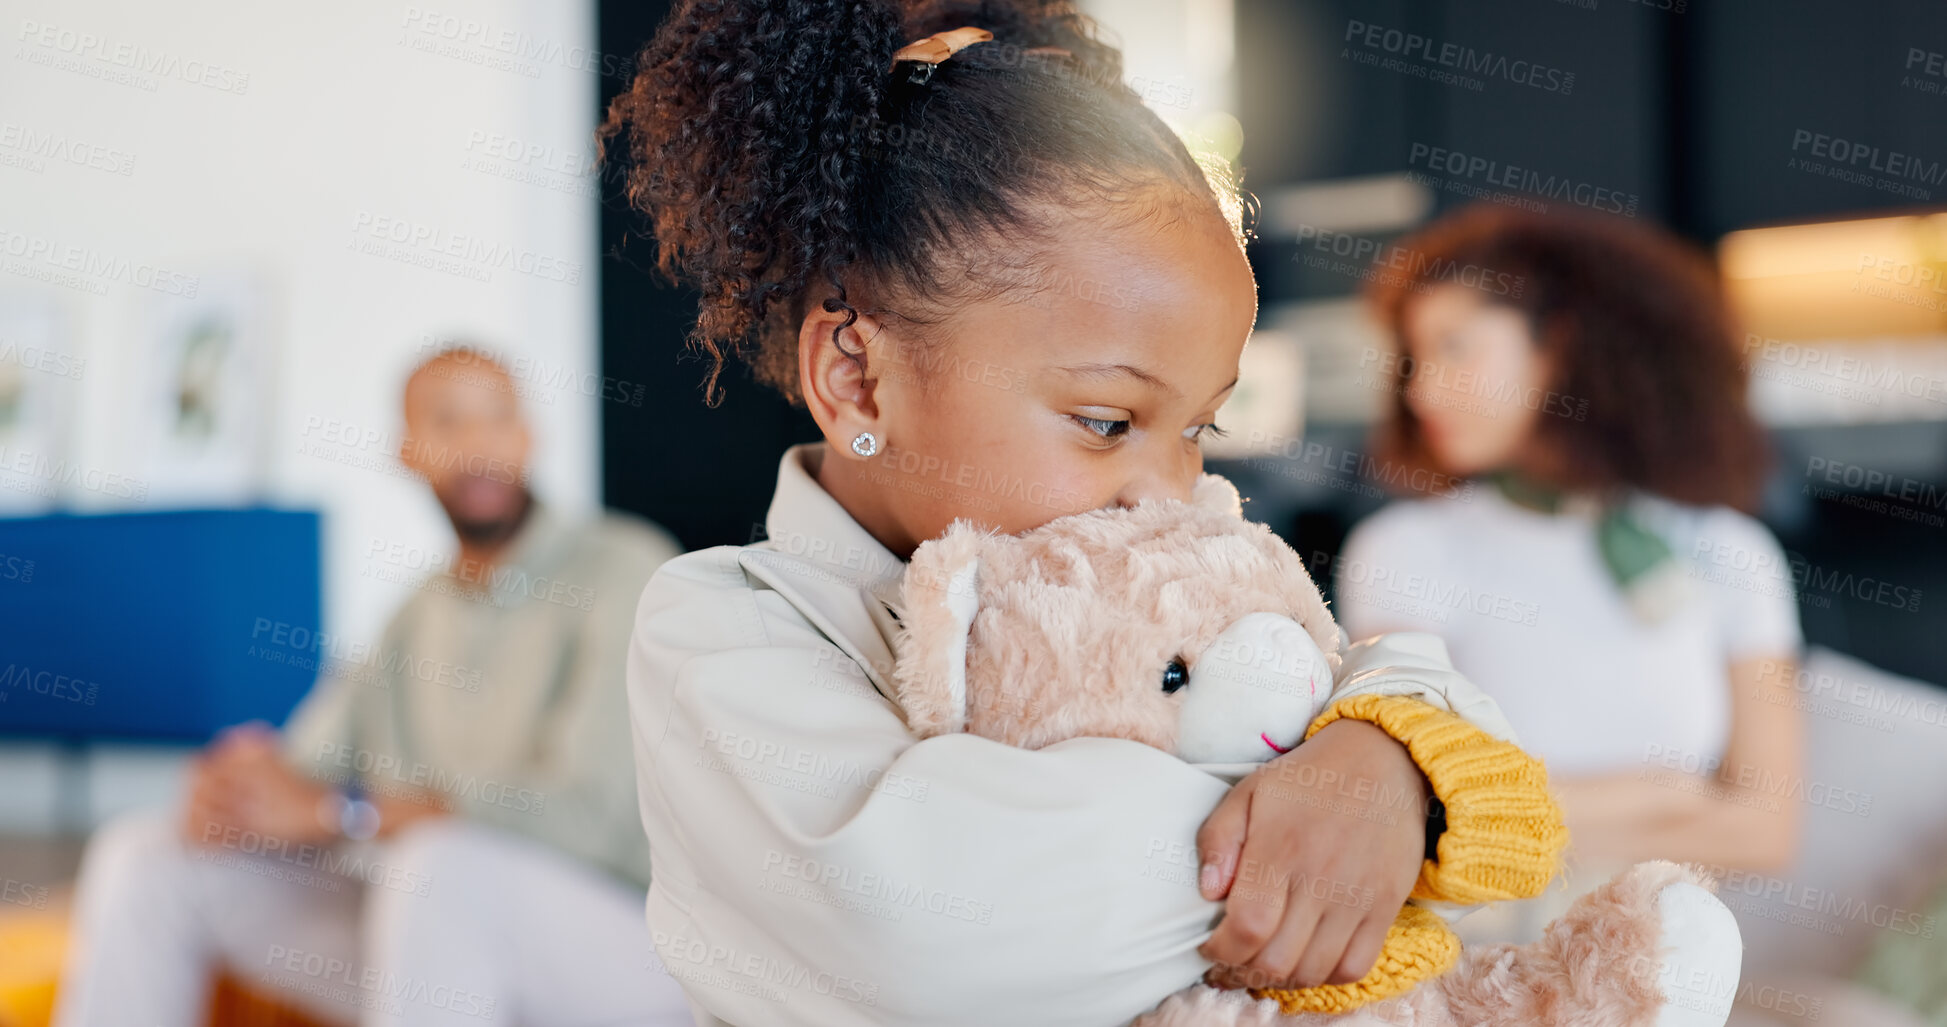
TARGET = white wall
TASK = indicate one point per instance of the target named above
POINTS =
(335, 115)
(1180, 57)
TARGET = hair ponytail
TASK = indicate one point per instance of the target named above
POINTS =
(778, 158)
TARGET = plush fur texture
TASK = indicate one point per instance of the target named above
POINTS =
(1597, 966)
(1071, 627)
(1072, 613)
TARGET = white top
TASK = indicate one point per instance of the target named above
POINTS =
(815, 864)
(1531, 613)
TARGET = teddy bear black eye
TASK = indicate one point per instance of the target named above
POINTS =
(1175, 676)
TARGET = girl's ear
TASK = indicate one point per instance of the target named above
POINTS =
(837, 379)
(1215, 492)
(942, 595)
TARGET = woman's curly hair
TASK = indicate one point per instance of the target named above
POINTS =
(781, 162)
(1640, 336)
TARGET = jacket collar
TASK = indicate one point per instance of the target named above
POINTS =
(828, 566)
(807, 523)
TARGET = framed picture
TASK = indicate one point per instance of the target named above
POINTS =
(202, 402)
(40, 390)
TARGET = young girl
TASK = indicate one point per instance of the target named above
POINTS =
(1005, 291)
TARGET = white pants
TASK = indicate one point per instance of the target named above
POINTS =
(448, 923)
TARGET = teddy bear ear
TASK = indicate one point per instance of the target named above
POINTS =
(942, 594)
(1215, 492)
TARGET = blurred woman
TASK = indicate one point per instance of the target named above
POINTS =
(1597, 570)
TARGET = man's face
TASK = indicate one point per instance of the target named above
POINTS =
(466, 437)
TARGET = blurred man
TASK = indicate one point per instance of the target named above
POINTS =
(447, 830)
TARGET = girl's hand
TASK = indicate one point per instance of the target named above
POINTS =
(1316, 851)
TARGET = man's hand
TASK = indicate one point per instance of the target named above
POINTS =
(1316, 851)
(407, 806)
(211, 809)
(242, 782)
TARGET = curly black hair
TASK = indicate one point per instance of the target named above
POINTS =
(780, 160)
(1643, 341)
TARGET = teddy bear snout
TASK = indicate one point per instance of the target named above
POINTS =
(1252, 692)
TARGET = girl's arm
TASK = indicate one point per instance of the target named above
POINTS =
(1338, 830)
(1313, 855)
(806, 850)
(1747, 815)
(812, 863)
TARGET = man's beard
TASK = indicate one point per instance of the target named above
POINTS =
(490, 533)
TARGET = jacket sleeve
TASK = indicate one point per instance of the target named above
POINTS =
(1415, 665)
(817, 865)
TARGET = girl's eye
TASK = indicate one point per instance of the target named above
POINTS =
(1196, 432)
(1106, 429)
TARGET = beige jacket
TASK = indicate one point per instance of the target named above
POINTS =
(817, 865)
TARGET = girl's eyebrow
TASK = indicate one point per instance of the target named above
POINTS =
(1132, 371)
(1124, 370)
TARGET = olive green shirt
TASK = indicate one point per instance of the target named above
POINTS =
(504, 697)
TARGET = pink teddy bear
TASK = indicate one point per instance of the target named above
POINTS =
(1187, 628)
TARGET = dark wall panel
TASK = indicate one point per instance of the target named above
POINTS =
(1766, 70)
(704, 473)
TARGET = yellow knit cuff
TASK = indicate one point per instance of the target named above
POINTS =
(1504, 836)
(1419, 947)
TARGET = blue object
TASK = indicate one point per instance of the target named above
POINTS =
(156, 626)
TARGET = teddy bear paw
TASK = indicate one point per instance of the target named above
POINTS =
(1703, 953)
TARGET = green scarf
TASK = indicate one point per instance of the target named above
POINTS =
(1639, 561)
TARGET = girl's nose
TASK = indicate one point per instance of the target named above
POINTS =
(1170, 482)
(1140, 492)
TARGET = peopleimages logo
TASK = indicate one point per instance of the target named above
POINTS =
(1424, 49)
(39, 146)
(1394, 264)
(1787, 575)
(457, 253)
(505, 49)
(1887, 171)
(1828, 368)
(1520, 179)
(46, 361)
(878, 886)
(49, 684)
(94, 267)
(96, 56)
(1873, 158)
(39, 473)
